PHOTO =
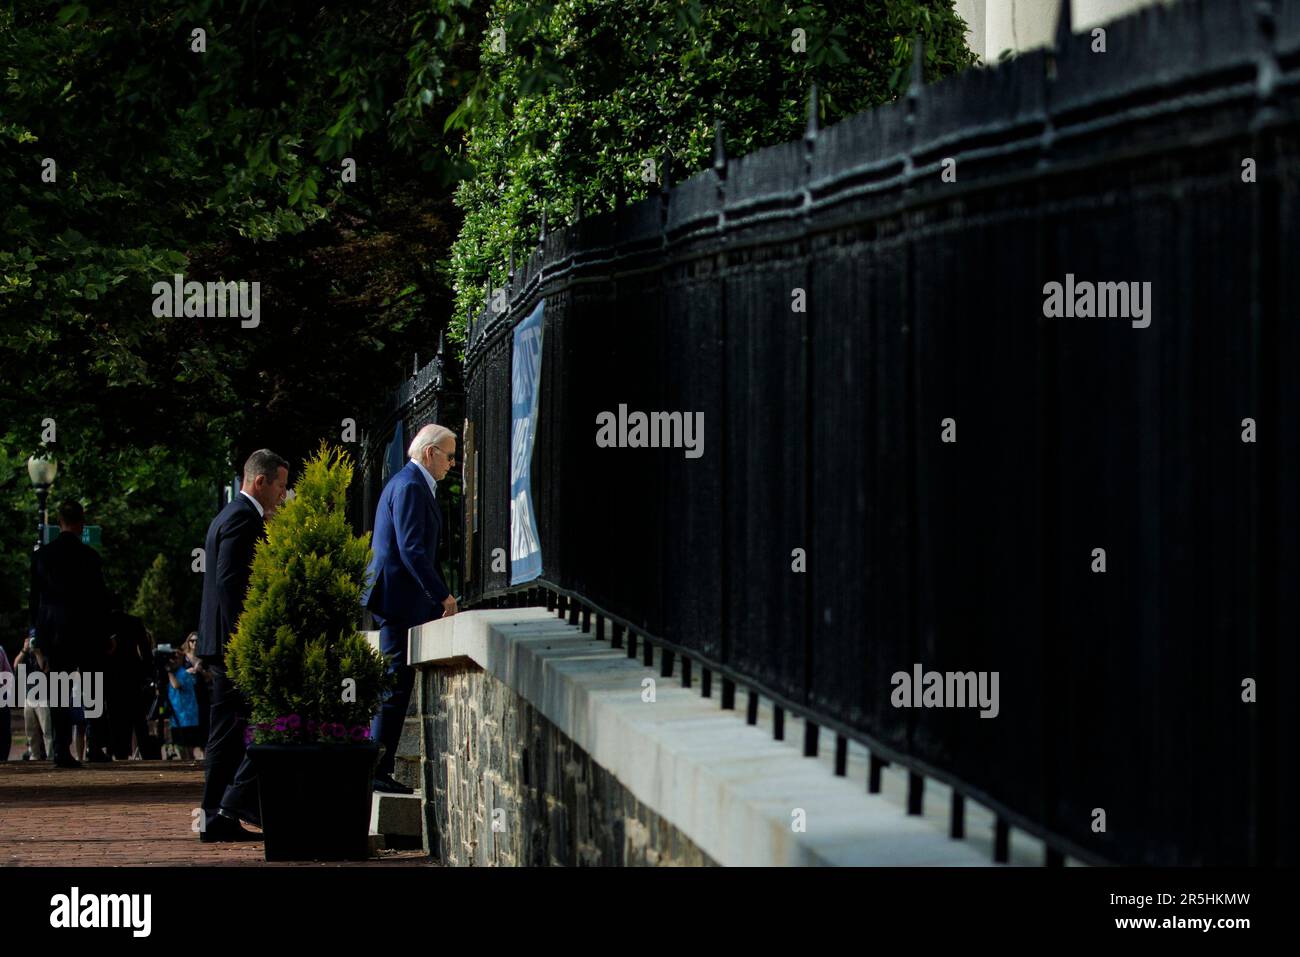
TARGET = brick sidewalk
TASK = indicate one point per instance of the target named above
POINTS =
(124, 813)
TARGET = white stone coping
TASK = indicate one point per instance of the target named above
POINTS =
(728, 786)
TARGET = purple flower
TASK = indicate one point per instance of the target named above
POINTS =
(249, 734)
(339, 730)
(360, 733)
(293, 722)
(279, 724)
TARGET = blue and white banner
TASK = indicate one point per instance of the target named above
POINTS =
(525, 379)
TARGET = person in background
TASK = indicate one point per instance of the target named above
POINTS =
(202, 684)
(6, 728)
(36, 714)
(79, 727)
(128, 684)
(68, 604)
(184, 705)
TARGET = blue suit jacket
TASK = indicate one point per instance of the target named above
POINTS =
(404, 585)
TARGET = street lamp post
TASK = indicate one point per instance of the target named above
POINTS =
(41, 471)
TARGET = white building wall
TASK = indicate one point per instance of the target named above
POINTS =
(995, 26)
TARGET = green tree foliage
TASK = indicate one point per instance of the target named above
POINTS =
(146, 500)
(223, 164)
(226, 164)
(153, 604)
(297, 641)
(586, 91)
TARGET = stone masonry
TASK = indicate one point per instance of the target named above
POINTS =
(505, 787)
(406, 766)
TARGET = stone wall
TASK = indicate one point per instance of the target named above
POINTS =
(406, 766)
(488, 754)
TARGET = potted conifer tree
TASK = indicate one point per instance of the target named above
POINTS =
(312, 680)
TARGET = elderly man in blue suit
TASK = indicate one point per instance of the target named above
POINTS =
(404, 586)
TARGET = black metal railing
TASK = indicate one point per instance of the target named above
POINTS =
(943, 458)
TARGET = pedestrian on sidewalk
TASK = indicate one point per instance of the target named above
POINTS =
(129, 684)
(202, 685)
(36, 713)
(185, 707)
(6, 728)
(78, 726)
(68, 601)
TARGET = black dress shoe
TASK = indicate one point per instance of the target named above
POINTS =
(222, 829)
(385, 784)
(67, 763)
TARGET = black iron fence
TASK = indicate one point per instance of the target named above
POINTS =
(1100, 510)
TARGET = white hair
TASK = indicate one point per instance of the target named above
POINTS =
(430, 434)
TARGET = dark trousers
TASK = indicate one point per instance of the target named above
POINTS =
(60, 718)
(228, 780)
(386, 727)
(127, 715)
(98, 736)
(6, 734)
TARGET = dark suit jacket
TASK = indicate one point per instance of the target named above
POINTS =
(228, 557)
(69, 601)
(132, 658)
(403, 580)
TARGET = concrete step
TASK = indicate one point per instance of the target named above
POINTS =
(397, 820)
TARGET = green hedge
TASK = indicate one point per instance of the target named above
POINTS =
(586, 91)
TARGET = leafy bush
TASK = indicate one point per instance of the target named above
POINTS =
(587, 90)
(297, 643)
(153, 603)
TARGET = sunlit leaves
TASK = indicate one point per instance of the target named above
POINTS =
(587, 90)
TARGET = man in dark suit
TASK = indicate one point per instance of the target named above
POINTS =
(68, 604)
(404, 586)
(229, 786)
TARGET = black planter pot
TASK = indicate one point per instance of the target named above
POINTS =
(315, 799)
